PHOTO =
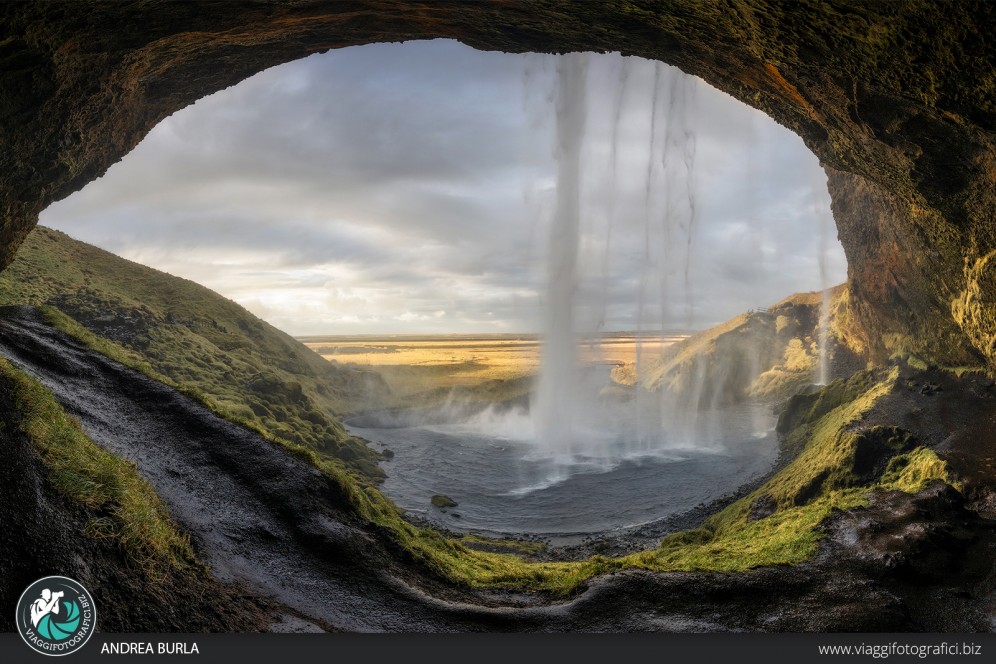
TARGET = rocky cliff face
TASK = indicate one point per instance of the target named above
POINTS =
(897, 100)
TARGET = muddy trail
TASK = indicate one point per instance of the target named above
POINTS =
(268, 521)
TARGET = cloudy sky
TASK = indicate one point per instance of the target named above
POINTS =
(408, 188)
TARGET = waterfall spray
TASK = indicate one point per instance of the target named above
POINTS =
(678, 225)
(610, 201)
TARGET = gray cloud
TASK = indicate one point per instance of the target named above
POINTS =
(406, 188)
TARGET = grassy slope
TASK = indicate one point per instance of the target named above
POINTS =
(204, 343)
(728, 542)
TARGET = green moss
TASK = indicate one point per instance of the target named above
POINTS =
(844, 324)
(797, 358)
(914, 471)
(127, 508)
(823, 474)
(803, 411)
(973, 309)
(503, 544)
(736, 544)
(962, 370)
(819, 481)
(729, 542)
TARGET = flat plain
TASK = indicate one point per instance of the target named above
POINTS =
(415, 364)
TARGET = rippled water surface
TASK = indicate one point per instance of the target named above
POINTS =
(501, 485)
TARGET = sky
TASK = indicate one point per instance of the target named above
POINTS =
(408, 188)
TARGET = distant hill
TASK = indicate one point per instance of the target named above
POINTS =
(199, 339)
(767, 354)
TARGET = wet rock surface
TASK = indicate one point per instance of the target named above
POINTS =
(956, 416)
(41, 534)
(928, 550)
(257, 515)
(272, 523)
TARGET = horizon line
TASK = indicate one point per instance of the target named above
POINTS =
(670, 332)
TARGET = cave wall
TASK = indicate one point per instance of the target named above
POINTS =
(897, 99)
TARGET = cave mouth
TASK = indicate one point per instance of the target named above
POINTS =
(362, 232)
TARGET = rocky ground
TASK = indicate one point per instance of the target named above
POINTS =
(265, 521)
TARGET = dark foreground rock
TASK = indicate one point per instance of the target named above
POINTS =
(271, 523)
(927, 550)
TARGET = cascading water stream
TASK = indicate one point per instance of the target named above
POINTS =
(645, 428)
(556, 407)
(571, 424)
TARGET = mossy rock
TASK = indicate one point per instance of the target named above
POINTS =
(442, 502)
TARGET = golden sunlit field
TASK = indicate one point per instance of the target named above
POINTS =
(414, 364)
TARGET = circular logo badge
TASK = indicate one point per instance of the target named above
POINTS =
(56, 616)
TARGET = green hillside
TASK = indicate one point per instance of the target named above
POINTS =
(202, 341)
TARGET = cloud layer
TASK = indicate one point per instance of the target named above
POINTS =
(406, 188)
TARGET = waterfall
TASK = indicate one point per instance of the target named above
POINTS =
(569, 419)
(557, 392)
(642, 412)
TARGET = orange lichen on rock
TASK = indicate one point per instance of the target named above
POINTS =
(777, 82)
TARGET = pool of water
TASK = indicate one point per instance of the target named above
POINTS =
(503, 483)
